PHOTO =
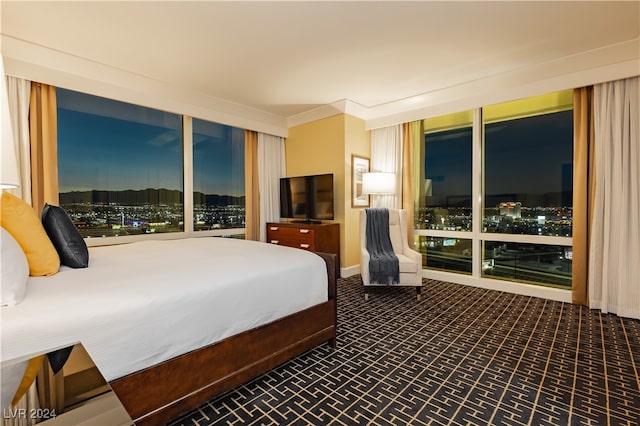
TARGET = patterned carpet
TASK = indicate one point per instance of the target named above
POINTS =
(460, 356)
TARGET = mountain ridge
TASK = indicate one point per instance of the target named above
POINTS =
(141, 197)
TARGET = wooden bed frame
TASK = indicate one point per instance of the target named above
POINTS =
(158, 394)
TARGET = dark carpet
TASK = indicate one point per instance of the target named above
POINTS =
(460, 356)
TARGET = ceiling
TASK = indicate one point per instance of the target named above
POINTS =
(288, 57)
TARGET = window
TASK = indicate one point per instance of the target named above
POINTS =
(218, 176)
(121, 170)
(528, 188)
(528, 166)
(446, 193)
(528, 263)
(446, 254)
(496, 195)
(447, 173)
(120, 166)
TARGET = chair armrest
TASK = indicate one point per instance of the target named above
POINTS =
(364, 265)
(413, 254)
(364, 255)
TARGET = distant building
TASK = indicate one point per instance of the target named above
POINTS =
(511, 209)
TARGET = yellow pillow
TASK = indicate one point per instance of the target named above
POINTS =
(23, 224)
(29, 377)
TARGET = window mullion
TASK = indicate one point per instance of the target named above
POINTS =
(187, 152)
(476, 187)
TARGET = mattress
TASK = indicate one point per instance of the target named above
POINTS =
(142, 303)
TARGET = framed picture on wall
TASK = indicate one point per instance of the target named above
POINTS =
(359, 166)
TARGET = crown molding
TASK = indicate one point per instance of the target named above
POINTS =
(343, 106)
(607, 63)
(39, 63)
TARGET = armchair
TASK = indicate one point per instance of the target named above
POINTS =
(410, 261)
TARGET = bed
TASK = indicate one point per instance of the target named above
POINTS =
(171, 324)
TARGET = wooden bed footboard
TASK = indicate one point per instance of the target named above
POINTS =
(160, 393)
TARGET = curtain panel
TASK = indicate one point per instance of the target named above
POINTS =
(252, 193)
(411, 137)
(271, 168)
(583, 190)
(19, 93)
(614, 247)
(43, 126)
(386, 156)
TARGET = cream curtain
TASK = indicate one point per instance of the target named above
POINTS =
(252, 193)
(28, 403)
(44, 155)
(19, 92)
(615, 241)
(20, 99)
(386, 156)
(271, 168)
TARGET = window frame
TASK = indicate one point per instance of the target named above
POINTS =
(477, 236)
(188, 203)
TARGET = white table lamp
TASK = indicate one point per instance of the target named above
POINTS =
(378, 183)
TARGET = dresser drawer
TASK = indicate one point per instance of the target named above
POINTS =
(297, 244)
(306, 235)
(313, 237)
(298, 237)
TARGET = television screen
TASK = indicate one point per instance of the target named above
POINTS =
(307, 198)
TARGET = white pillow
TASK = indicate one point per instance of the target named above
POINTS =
(14, 270)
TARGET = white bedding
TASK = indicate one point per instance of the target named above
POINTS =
(142, 303)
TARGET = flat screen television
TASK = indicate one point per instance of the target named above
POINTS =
(307, 198)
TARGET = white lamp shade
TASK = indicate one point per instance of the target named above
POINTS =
(378, 183)
(9, 173)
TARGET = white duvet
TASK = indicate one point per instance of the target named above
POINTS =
(143, 303)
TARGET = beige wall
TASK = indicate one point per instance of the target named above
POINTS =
(325, 146)
(358, 142)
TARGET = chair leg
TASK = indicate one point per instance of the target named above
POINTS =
(366, 297)
(418, 293)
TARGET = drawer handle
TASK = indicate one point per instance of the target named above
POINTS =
(304, 231)
(275, 241)
(274, 228)
(304, 246)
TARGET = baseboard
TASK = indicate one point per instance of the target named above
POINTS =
(349, 271)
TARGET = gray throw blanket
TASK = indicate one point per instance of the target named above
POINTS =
(384, 267)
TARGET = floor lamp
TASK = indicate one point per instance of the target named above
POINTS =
(378, 183)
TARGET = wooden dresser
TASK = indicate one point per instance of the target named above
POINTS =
(323, 237)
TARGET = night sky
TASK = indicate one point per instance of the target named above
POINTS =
(112, 145)
(530, 155)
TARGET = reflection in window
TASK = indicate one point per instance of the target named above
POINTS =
(446, 254)
(528, 166)
(120, 166)
(218, 176)
(528, 263)
(446, 187)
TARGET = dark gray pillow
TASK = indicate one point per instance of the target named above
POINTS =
(65, 237)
